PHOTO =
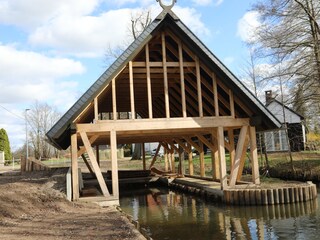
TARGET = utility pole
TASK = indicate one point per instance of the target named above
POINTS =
(27, 144)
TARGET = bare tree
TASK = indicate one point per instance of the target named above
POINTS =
(290, 31)
(41, 118)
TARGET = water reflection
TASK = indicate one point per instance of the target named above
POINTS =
(169, 215)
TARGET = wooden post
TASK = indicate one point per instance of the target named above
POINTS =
(215, 157)
(222, 158)
(114, 164)
(173, 165)
(190, 159)
(149, 82)
(201, 158)
(165, 160)
(254, 156)
(114, 99)
(165, 75)
(199, 87)
(143, 156)
(74, 167)
(133, 111)
(232, 150)
(183, 93)
(96, 110)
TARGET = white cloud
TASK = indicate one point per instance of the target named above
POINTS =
(26, 75)
(33, 13)
(247, 26)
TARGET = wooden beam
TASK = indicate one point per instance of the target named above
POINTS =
(114, 100)
(82, 150)
(231, 99)
(165, 160)
(222, 158)
(254, 155)
(88, 165)
(182, 144)
(206, 142)
(199, 87)
(239, 151)
(160, 64)
(165, 75)
(149, 82)
(114, 164)
(193, 144)
(155, 156)
(74, 168)
(143, 156)
(94, 163)
(243, 158)
(96, 110)
(183, 93)
(162, 124)
(133, 111)
(215, 94)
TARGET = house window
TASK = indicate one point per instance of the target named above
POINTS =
(276, 141)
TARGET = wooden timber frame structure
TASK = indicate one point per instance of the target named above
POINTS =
(167, 87)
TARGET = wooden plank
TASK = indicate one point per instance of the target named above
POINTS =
(149, 82)
(133, 110)
(74, 168)
(114, 99)
(199, 87)
(231, 149)
(239, 151)
(94, 163)
(96, 110)
(183, 93)
(222, 158)
(155, 156)
(143, 156)
(254, 155)
(165, 75)
(231, 99)
(162, 124)
(114, 164)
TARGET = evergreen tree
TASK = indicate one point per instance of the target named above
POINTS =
(5, 144)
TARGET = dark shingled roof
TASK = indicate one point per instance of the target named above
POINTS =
(59, 134)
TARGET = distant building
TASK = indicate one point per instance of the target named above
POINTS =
(276, 140)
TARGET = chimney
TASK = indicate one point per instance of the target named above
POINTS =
(269, 97)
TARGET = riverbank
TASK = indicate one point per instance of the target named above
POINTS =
(32, 206)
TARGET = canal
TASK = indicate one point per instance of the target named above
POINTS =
(166, 214)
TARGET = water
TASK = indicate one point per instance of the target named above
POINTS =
(171, 215)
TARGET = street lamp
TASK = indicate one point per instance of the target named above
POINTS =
(27, 144)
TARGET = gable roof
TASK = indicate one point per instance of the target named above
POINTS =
(285, 106)
(59, 134)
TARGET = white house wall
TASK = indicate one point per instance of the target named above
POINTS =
(277, 111)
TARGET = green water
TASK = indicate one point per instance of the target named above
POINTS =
(172, 215)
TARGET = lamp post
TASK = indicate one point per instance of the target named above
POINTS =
(27, 144)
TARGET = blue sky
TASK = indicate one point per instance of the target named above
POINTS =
(53, 50)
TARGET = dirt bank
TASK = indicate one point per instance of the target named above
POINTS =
(33, 207)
